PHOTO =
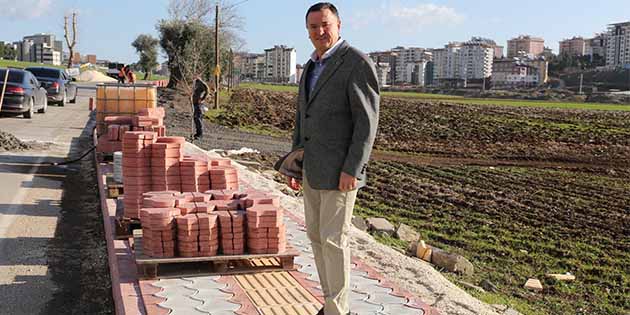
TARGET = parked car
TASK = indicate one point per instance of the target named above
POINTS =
(60, 87)
(23, 93)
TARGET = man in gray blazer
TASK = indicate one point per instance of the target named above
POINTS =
(336, 123)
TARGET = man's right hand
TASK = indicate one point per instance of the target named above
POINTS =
(293, 183)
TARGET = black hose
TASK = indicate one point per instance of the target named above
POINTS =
(72, 161)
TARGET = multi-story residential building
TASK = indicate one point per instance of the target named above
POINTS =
(512, 73)
(43, 53)
(618, 45)
(91, 59)
(280, 63)
(388, 57)
(596, 46)
(575, 46)
(404, 57)
(252, 66)
(477, 55)
(526, 44)
(458, 63)
(446, 63)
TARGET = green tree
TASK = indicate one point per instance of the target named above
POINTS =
(9, 53)
(146, 47)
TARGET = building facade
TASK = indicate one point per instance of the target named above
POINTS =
(457, 63)
(575, 46)
(512, 73)
(526, 44)
(618, 45)
(596, 46)
(90, 59)
(280, 64)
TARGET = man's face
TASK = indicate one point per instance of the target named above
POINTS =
(323, 29)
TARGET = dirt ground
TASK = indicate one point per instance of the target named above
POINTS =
(518, 191)
(77, 256)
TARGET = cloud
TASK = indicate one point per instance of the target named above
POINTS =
(403, 18)
(24, 8)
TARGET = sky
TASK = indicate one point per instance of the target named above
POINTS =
(107, 28)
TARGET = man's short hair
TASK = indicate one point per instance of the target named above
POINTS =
(320, 6)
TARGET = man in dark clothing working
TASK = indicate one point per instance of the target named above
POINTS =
(200, 92)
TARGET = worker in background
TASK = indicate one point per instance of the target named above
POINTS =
(200, 93)
(122, 75)
(131, 76)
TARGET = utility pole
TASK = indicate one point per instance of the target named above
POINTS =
(217, 67)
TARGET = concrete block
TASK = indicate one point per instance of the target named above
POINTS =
(380, 225)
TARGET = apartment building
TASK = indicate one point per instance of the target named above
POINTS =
(407, 57)
(43, 53)
(575, 46)
(252, 66)
(596, 46)
(280, 64)
(525, 44)
(618, 45)
(457, 63)
(385, 57)
(90, 59)
(512, 73)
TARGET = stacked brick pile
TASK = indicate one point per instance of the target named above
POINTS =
(166, 154)
(148, 119)
(232, 227)
(194, 174)
(265, 230)
(158, 231)
(223, 176)
(136, 165)
(197, 235)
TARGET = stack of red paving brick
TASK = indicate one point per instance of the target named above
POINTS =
(265, 229)
(158, 230)
(194, 174)
(197, 235)
(150, 119)
(166, 154)
(232, 227)
(223, 178)
(114, 128)
(136, 165)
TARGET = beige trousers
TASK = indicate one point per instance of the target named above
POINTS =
(328, 215)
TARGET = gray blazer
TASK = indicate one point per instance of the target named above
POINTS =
(336, 125)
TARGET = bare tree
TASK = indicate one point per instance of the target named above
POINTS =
(66, 34)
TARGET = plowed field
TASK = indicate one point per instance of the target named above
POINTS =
(519, 191)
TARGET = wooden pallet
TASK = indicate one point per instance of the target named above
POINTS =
(152, 268)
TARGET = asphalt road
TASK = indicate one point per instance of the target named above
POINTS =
(30, 202)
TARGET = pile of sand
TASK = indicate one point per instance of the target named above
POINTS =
(94, 76)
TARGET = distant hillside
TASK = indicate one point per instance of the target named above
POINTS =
(603, 80)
